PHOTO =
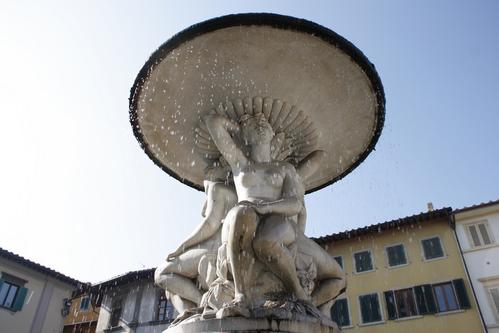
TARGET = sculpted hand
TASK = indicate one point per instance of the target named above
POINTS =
(247, 203)
(227, 123)
(174, 254)
(262, 208)
(259, 207)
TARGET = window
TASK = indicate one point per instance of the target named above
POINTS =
(115, 313)
(410, 302)
(432, 248)
(406, 305)
(369, 308)
(84, 302)
(401, 303)
(427, 299)
(12, 292)
(66, 306)
(444, 294)
(396, 255)
(339, 260)
(479, 234)
(339, 312)
(7, 294)
(450, 296)
(363, 261)
(494, 298)
(165, 308)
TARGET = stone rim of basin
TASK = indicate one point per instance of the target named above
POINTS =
(349, 107)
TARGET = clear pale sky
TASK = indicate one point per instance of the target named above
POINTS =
(78, 194)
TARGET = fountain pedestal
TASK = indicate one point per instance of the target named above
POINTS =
(227, 325)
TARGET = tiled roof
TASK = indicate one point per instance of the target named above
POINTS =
(37, 267)
(97, 291)
(480, 205)
(375, 228)
(125, 278)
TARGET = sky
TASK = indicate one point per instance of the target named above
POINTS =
(78, 194)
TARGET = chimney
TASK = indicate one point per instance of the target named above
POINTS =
(430, 206)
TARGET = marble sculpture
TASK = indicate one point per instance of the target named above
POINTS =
(250, 249)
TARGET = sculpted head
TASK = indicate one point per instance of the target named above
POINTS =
(255, 129)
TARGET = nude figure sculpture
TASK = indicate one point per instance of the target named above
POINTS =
(254, 221)
(183, 275)
(267, 223)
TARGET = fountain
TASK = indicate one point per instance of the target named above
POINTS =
(256, 110)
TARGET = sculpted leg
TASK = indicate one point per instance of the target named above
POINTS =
(176, 278)
(220, 199)
(271, 246)
(326, 293)
(180, 304)
(240, 231)
(329, 273)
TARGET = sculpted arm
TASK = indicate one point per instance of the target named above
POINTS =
(202, 232)
(305, 169)
(310, 164)
(220, 129)
(219, 197)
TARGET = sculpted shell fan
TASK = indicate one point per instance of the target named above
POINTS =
(295, 135)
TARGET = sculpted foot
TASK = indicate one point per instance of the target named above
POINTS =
(186, 314)
(302, 296)
(236, 308)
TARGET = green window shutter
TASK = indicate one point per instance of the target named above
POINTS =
(369, 261)
(339, 260)
(345, 314)
(390, 305)
(392, 256)
(462, 295)
(420, 300)
(19, 300)
(339, 313)
(376, 314)
(358, 264)
(431, 306)
(364, 309)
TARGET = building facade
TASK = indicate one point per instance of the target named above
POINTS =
(477, 229)
(132, 303)
(405, 275)
(32, 296)
(81, 315)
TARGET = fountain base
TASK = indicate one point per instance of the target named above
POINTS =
(238, 324)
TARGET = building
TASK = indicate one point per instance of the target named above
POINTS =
(405, 275)
(32, 296)
(82, 314)
(477, 229)
(132, 303)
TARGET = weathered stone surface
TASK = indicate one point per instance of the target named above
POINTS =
(252, 325)
(330, 81)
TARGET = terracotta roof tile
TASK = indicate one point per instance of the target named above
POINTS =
(375, 228)
(480, 205)
(39, 268)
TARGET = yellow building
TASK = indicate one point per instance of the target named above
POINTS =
(405, 275)
(81, 316)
